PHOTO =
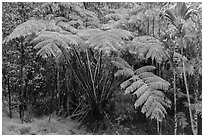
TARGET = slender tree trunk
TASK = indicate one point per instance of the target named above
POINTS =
(175, 111)
(196, 113)
(66, 96)
(159, 28)
(153, 26)
(58, 86)
(187, 91)
(21, 105)
(50, 107)
(158, 128)
(148, 26)
(9, 92)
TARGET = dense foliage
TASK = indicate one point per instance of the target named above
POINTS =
(105, 65)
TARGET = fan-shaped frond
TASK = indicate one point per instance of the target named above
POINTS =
(48, 43)
(26, 28)
(109, 40)
(148, 47)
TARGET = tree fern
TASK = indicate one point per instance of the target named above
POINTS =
(34, 26)
(109, 40)
(147, 87)
(48, 43)
(27, 28)
(148, 47)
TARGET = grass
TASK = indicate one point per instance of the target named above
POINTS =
(40, 126)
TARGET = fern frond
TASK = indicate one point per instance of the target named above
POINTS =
(143, 97)
(27, 28)
(124, 72)
(140, 88)
(144, 69)
(149, 91)
(155, 79)
(181, 119)
(123, 62)
(87, 33)
(148, 47)
(110, 40)
(146, 75)
(67, 27)
(159, 85)
(48, 43)
(126, 83)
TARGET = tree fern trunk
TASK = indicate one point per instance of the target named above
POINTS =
(175, 111)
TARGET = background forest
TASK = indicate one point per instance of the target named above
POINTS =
(112, 67)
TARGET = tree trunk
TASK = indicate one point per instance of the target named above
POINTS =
(199, 125)
(187, 91)
(159, 28)
(21, 113)
(153, 26)
(21, 105)
(66, 96)
(158, 128)
(50, 107)
(9, 93)
(58, 87)
(175, 111)
(148, 26)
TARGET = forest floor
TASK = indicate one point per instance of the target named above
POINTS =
(62, 126)
(40, 126)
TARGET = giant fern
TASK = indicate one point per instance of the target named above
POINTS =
(48, 43)
(148, 88)
(109, 40)
(148, 47)
(26, 28)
